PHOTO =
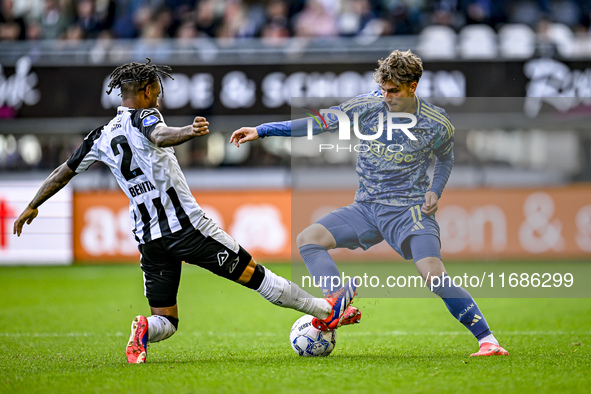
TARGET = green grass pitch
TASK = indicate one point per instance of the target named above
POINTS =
(64, 330)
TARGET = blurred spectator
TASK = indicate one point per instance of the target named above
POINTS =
(401, 19)
(164, 19)
(105, 11)
(277, 15)
(186, 31)
(30, 10)
(12, 27)
(153, 25)
(240, 21)
(274, 20)
(478, 11)
(55, 20)
(180, 8)
(181, 11)
(528, 12)
(277, 27)
(141, 20)
(275, 32)
(445, 12)
(208, 18)
(233, 21)
(355, 16)
(152, 31)
(567, 12)
(123, 24)
(74, 33)
(90, 21)
(34, 31)
(315, 21)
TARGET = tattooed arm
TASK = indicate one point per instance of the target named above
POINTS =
(54, 183)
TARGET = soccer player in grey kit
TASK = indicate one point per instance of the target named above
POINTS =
(395, 201)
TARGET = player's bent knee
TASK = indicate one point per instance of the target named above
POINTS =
(310, 235)
(316, 234)
(430, 268)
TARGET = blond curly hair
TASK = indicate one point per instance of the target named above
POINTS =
(399, 67)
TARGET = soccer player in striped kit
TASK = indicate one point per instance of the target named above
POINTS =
(396, 200)
(166, 221)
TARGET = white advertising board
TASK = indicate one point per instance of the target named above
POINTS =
(48, 239)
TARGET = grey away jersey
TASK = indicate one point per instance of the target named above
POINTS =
(161, 202)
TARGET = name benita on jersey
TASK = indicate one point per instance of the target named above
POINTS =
(161, 202)
(142, 188)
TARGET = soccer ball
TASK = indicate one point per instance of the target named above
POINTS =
(308, 341)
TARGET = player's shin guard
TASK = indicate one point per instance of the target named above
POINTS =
(161, 327)
(462, 306)
(322, 267)
(286, 294)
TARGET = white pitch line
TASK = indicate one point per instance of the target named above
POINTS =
(269, 334)
(58, 334)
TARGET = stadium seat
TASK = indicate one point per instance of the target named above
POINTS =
(564, 38)
(478, 42)
(437, 42)
(517, 41)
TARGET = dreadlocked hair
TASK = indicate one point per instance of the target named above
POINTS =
(129, 77)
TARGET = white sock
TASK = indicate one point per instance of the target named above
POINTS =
(286, 294)
(490, 338)
(159, 328)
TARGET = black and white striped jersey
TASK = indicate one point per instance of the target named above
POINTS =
(161, 202)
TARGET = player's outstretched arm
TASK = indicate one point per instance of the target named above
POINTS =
(243, 135)
(54, 183)
(164, 136)
(290, 128)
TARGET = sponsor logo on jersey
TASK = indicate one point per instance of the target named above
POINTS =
(387, 152)
(222, 257)
(150, 120)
